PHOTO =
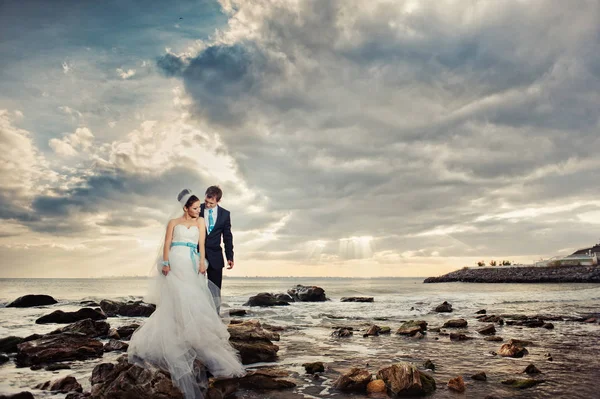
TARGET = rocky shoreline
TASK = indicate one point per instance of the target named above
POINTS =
(548, 274)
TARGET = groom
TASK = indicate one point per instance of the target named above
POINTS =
(218, 224)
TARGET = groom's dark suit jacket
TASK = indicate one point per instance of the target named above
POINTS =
(212, 244)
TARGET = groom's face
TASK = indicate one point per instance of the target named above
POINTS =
(210, 203)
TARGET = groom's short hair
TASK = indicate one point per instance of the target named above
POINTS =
(214, 192)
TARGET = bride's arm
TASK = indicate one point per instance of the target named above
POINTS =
(167, 246)
(201, 249)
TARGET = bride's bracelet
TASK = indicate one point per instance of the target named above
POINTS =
(166, 263)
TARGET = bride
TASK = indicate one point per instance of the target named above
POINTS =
(185, 327)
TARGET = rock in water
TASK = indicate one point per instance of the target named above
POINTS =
(443, 308)
(20, 395)
(266, 379)
(265, 299)
(404, 379)
(57, 348)
(28, 301)
(481, 376)
(253, 342)
(512, 350)
(531, 369)
(124, 380)
(115, 345)
(357, 299)
(129, 309)
(412, 327)
(457, 384)
(316, 367)
(86, 327)
(62, 385)
(9, 344)
(302, 293)
(355, 380)
(455, 323)
(60, 317)
(376, 386)
(487, 330)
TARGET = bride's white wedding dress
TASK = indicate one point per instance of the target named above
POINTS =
(185, 326)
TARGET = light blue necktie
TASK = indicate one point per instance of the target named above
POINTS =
(211, 221)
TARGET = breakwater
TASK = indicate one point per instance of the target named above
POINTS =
(530, 274)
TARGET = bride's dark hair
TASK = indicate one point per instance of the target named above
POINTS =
(190, 200)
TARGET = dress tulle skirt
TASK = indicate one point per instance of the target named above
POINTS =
(185, 328)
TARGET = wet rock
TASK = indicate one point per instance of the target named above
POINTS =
(487, 330)
(457, 384)
(494, 338)
(355, 380)
(3, 358)
(445, 307)
(522, 383)
(429, 365)
(301, 293)
(124, 380)
(57, 348)
(491, 319)
(455, 323)
(89, 304)
(128, 309)
(548, 326)
(20, 395)
(357, 299)
(56, 367)
(113, 334)
(341, 333)
(482, 311)
(87, 327)
(548, 356)
(531, 369)
(125, 332)
(28, 301)
(114, 345)
(385, 330)
(60, 317)
(459, 337)
(373, 331)
(265, 299)
(62, 385)
(266, 379)
(434, 329)
(316, 367)
(376, 386)
(512, 350)
(237, 312)
(412, 327)
(404, 379)
(9, 344)
(253, 342)
(481, 376)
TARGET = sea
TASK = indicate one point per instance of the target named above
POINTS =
(568, 355)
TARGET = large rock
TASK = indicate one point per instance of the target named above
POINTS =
(404, 379)
(86, 327)
(457, 384)
(62, 385)
(301, 293)
(412, 327)
(58, 316)
(115, 345)
(9, 344)
(28, 301)
(315, 367)
(127, 381)
(125, 332)
(487, 330)
(128, 309)
(57, 348)
(355, 380)
(455, 323)
(253, 342)
(266, 379)
(357, 299)
(265, 299)
(445, 307)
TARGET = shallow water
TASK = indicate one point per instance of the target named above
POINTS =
(574, 346)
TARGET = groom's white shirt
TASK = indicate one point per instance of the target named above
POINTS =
(215, 213)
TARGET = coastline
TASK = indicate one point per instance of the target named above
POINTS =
(528, 274)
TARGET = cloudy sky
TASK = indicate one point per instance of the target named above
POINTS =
(351, 138)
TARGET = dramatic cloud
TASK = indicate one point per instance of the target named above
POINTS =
(350, 137)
